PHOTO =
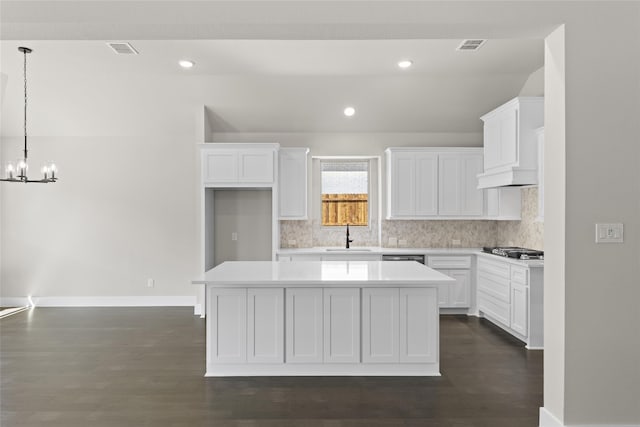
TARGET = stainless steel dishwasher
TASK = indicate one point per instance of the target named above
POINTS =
(419, 258)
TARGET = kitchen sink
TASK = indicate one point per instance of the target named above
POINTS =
(348, 250)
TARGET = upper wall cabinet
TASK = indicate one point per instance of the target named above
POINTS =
(510, 149)
(427, 183)
(292, 183)
(457, 184)
(412, 183)
(238, 165)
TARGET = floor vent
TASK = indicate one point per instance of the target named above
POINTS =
(122, 48)
(471, 44)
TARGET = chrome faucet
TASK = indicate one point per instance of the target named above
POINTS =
(348, 240)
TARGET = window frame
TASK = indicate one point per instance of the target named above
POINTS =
(374, 188)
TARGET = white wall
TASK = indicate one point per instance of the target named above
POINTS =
(554, 225)
(122, 212)
(602, 90)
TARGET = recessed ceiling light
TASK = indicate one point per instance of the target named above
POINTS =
(405, 63)
(185, 63)
(349, 111)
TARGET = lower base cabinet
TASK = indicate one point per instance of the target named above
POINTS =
(312, 331)
(304, 325)
(511, 296)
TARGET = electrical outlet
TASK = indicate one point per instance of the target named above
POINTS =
(234, 236)
(455, 242)
(150, 283)
(393, 242)
(292, 243)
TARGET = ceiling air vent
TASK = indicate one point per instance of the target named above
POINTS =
(471, 44)
(122, 48)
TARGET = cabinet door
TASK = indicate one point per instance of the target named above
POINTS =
(380, 325)
(304, 325)
(265, 325)
(519, 308)
(219, 166)
(341, 325)
(449, 184)
(418, 325)
(402, 189)
(504, 203)
(459, 293)
(426, 184)
(255, 166)
(292, 183)
(227, 325)
(457, 185)
(471, 198)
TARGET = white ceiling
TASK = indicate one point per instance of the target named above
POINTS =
(249, 85)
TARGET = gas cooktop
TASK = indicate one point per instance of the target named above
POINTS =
(514, 252)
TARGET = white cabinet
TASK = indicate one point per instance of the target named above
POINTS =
(315, 331)
(519, 308)
(292, 183)
(412, 179)
(399, 325)
(341, 325)
(247, 325)
(418, 325)
(428, 183)
(540, 136)
(238, 164)
(458, 294)
(504, 204)
(511, 296)
(265, 325)
(227, 324)
(380, 317)
(304, 325)
(458, 194)
(510, 152)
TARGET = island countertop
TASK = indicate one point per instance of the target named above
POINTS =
(322, 273)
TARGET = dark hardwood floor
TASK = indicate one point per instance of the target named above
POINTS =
(138, 367)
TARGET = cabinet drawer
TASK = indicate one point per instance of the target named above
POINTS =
(494, 308)
(448, 262)
(519, 275)
(496, 286)
(499, 268)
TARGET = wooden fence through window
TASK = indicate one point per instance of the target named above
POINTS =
(343, 209)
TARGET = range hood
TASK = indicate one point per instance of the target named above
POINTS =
(511, 144)
(508, 177)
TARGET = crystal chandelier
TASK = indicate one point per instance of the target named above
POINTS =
(17, 171)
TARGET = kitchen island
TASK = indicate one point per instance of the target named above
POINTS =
(322, 318)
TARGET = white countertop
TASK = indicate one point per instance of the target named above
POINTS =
(322, 273)
(534, 263)
(376, 250)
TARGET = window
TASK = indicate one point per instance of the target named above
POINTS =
(345, 192)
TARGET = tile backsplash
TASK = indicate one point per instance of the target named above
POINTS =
(528, 232)
(425, 234)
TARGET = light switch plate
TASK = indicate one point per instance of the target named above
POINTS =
(609, 233)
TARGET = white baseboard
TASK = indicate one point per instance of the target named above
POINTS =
(14, 302)
(114, 301)
(547, 419)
